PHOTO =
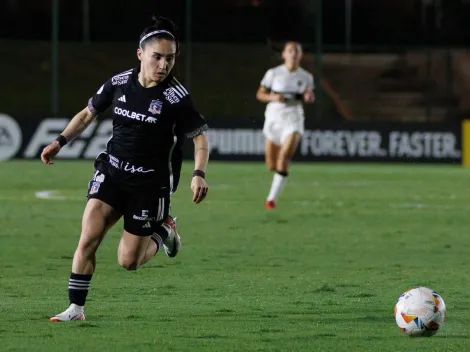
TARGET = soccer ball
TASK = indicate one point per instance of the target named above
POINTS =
(420, 312)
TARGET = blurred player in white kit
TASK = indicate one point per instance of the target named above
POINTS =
(285, 88)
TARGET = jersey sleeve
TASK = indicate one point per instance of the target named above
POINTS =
(267, 80)
(102, 99)
(191, 121)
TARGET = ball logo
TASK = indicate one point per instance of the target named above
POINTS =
(10, 137)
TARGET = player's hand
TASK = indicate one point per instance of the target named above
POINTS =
(199, 187)
(278, 97)
(309, 97)
(49, 152)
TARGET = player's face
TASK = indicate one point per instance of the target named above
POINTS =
(157, 58)
(292, 54)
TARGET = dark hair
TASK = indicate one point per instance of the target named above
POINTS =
(168, 28)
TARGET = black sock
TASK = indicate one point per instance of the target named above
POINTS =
(283, 173)
(158, 237)
(78, 288)
(162, 232)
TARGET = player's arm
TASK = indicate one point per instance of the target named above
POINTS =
(264, 93)
(78, 124)
(75, 127)
(309, 95)
(98, 103)
(199, 185)
(201, 152)
(201, 158)
(194, 126)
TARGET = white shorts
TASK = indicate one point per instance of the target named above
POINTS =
(278, 125)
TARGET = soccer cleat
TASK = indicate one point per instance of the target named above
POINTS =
(270, 204)
(172, 244)
(70, 314)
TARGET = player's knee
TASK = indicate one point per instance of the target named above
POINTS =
(86, 249)
(129, 263)
(132, 266)
(271, 166)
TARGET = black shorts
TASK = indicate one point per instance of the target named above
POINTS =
(144, 209)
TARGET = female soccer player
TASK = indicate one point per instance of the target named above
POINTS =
(284, 88)
(134, 178)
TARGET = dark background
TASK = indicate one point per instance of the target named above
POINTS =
(406, 59)
(375, 23)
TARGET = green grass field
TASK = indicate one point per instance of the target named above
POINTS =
(320, 273)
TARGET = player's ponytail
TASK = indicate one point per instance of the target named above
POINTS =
(162, 28)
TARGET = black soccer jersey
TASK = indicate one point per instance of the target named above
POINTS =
(149, 125)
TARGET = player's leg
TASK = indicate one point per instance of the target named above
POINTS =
(272, 133)
(166, 236)
(272, 145)
(148, 227)
(133, 249)
(271, 154)
(98, 218)
(287, 151)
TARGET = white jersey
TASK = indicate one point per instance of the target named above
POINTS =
(283, 119)
(291, 84)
